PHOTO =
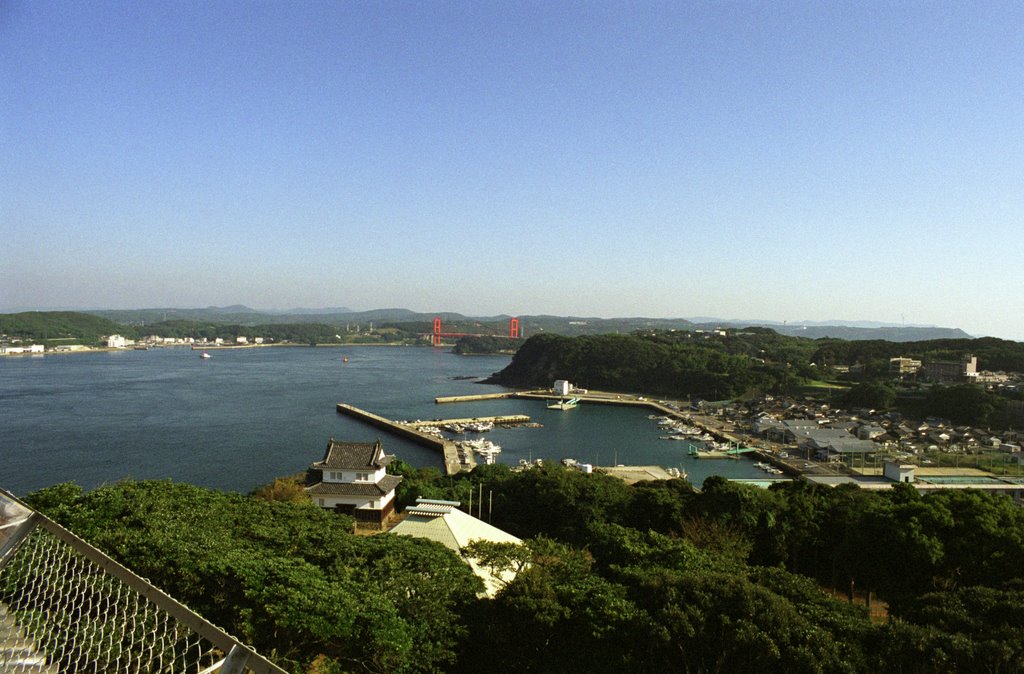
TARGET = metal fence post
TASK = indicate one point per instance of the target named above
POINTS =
(20, 531)
(235, 662)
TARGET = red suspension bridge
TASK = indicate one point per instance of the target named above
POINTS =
(513, 332)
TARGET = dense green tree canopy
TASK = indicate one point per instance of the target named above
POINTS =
(962, 404)
(870, 395)
(290, 579)
(658, 364)
(613, 578)
(486, 344)
(687, 365)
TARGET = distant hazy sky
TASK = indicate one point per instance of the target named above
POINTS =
(777, 160)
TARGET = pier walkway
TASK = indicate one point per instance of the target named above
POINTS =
(455, 460)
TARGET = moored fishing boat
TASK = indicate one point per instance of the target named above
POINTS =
(564, 404)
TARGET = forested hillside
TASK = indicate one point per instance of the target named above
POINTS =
(467, 346)
(662, 364)
(687, 364)
(654, 577)
(296, 333)
(993, 353)
(89, 329)
(57, 325)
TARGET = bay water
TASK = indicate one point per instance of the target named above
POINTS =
(245, 416)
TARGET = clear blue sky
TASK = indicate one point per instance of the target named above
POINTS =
(774, 160)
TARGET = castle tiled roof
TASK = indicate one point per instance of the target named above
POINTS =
(385, 485)
(353, 456)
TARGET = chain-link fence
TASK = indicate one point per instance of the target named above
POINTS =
(66, 607)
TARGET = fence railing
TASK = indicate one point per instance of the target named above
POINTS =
(67, 607)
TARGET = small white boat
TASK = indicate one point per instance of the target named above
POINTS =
(480, 446)
(204, 355)
(563, 404)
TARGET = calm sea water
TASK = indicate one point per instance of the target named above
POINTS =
(241, 418)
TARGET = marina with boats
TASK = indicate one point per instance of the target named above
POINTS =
(699, 439)
(453, 436)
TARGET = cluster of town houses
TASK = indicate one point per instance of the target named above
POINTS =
(831, 435)
(121, 342)
(16, 347)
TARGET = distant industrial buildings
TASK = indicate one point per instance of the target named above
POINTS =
(951, 371)
(901, 366)
(940, 371)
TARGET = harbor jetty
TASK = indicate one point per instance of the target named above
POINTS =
(634, 474)
(706, 424)
(503, 420)
(470, 398)
(455, 458)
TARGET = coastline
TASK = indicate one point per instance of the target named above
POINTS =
(198, 347)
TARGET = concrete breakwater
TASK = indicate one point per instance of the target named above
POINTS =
(707, 424)
(470, 398)
(454, 459)
(503, 420)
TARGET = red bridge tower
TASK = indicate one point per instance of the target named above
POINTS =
(435, 338)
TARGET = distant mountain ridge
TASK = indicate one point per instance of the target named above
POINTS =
(830, 323)
(849, 330)
(299, 311)
(897, 334)
(532, 324)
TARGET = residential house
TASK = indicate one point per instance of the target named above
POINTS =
(899, 472)
(834, 444)
(870, 431)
